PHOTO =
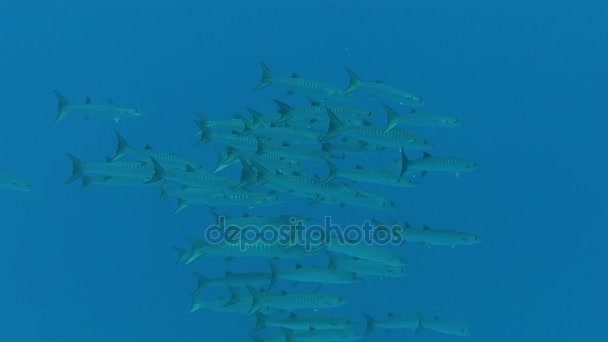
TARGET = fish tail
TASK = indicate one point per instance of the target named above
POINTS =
(181, 205)
(164, 194)
(354, 82)
(371, 324)
(62, 107)
(77, 168)
(285, 110)
(404, 165)
(392, 118)
(260, 322)
(183, 255)
(205, 132)
(87, 181)
(256, 303)
(420, 324)
(248, 126)
(274, 275)
(196, 302)
(122, 147)
(159, 172)
(335, 125)
(266, 76)
(202, 282)
(333, 171)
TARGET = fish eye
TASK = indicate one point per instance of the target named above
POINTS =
(339, 299)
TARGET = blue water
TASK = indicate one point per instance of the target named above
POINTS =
(527, 78)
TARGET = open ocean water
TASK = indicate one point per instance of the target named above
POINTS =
(527, 79)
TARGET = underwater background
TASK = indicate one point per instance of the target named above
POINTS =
(528, 79)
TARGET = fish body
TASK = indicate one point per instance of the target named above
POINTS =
(88, 108)
(14, 184)
(381, 89)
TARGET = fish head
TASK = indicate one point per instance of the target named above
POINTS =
(21, 185)
(137, 112)
(472, 239)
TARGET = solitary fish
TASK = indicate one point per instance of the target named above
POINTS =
(297, 84)
(88, 108)
(16, 184)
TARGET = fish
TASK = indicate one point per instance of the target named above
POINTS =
(374, 135)
(430, 163)
(446, 327)
(436, 237)
(296, 84)
(416, 119)
(301, 323)
(295, 301)
(381, 89)
(88, 108)
(393, 322)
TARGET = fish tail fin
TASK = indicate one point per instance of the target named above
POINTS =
(62, 107)
(266, 76)
(248, 175)
(183, 255)
(392, 118)
(354, 82)
(197, 302)
(159, 172)
(404, 164)
(285, 110)
(274, 275)
(202, 282)
(248, 126)
(256, 302)
(122, 147)
(371, 324)
(260, 322)
(164, 194)
(181, 205)
(77, 168)
(256, 118)
(335, 125)
(87, 181)
(235, 296)
(205, 132)
(333, 171)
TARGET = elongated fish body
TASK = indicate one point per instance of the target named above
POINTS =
(227, 198)
(347, 148)
(302, 323)
(93, 109)
(295, 84)
(318, 275)
(364, 267)
(297, 185)
(242, 306)
(240, 142)
(317, 114)
(330, 335)
(312, 301)
(234, 279)
(361, 250)
(446, 327)
(194, 178)
(230, 124)
(435, 237)
(359, 174)
(14, 184)
(295, 152)
(429, 163)
(422, 120)
(375, 135)
(291, 134)
(383, 90)
(260, 221)
(115, 181)
(231, 247)
(359, 198)
(392, 322)
(270, 161)
(114, 169)
(166, 159)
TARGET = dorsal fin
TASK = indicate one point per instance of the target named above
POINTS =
(426, 228)
(379, 81)
(313, 102)
(426, 155)
(295, 75)
(358, 167)
(390, 314)
(296, 173)
(88, 100)
(147, 147)
(298, 266)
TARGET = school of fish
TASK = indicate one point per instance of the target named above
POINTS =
(278, 157)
